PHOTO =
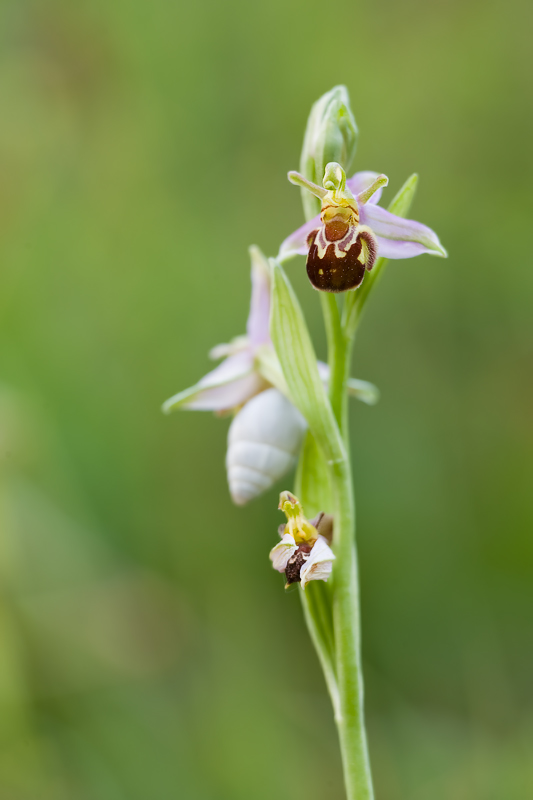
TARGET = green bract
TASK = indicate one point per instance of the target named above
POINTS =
(298, 361)
(331, 135)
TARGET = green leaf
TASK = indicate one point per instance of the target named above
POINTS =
(298, 361)
(312, 479)
(401, 203)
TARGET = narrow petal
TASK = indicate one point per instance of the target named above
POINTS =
(398, 237)
(319, 564)
(361, 181)
(324, 524)
(228, 386)
(281, 553)
(259, 317)
(371, 191)
(296, 243)
(364, 391)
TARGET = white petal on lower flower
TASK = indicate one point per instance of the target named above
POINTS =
(319, 564)
(281, 553)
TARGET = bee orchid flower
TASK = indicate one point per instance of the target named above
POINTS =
(266, 434)
(343, 241)
(304, 553)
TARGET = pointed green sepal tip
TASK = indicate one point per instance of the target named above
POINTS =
(298, 180)
(364, 391)
(403, 199)
(401, 205)
(380, 183)
(258, 259)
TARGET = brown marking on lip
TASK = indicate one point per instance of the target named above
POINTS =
(311, 237)
(336, 229)
(372, 249)
(295, 564)
(332, 274)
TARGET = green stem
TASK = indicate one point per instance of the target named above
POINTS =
(346, 623)
(339, 354)
(349, 714)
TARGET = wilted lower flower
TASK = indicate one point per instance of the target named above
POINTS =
(352, 230)
(304, 553)
(265, 436)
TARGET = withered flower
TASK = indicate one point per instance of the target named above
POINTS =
(304, 553)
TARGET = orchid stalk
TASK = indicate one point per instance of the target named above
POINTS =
(347, 246)
(286, 402)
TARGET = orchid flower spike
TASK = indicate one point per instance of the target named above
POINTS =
(352, 230)
(304, 553)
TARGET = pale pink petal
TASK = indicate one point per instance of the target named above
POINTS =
(296, 243)
(228, 396)
(259, 317)
(228, 386)
(399, 237)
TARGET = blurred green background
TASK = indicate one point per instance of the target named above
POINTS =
(147, 648)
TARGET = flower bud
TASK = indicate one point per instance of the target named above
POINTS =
(331, 135)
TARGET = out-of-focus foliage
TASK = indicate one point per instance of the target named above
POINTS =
(147, 648)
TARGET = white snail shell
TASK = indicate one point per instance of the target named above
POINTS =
(263, 442)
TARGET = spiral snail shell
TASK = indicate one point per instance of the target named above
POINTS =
(263, 442)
